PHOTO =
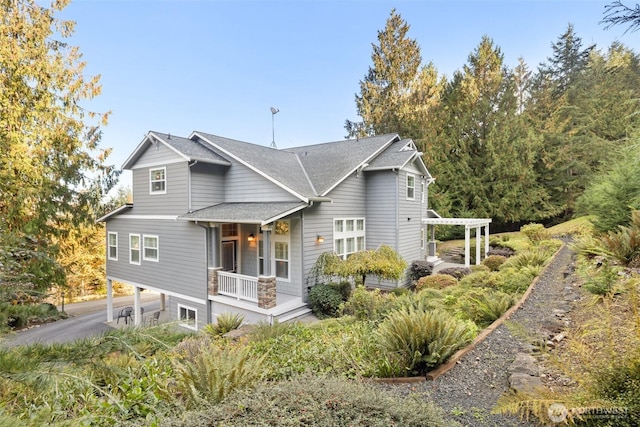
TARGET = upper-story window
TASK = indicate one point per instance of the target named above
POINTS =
(348, 236)
(411, 187)
(150, 248)
(158, 181)
(112, 244)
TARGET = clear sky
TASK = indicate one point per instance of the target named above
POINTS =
(218, 66)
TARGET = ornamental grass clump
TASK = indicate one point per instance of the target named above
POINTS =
(226, 322)
(482, 306)
(421, 340)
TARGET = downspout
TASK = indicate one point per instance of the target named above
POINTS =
(189, 186)
(206, 255)
(397, 219)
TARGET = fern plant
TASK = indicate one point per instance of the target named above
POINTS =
(214, 372)
(422, 340)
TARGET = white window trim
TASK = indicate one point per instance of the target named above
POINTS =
(422, 188)
(151, 180)
(109, 234)
(410, 175)
(280, 238)
(344, 235)
(139, 249)
(144, 248)
(187, 325)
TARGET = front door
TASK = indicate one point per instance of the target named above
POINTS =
(229, 255)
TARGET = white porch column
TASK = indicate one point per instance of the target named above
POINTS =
(467, 246)
(137, 318)
(266, 250)
(478, 241)
(486, 240)
(109, 301)
(163, 302)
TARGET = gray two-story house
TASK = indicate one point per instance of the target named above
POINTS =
(219, 225)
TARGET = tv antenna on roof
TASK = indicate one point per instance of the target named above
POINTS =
(274, 111)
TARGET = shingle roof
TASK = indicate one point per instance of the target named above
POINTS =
(247, 213)
(394, 157)
(192, 149)
(329, 163)
(281, 166)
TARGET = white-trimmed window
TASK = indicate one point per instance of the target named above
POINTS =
(280, 244)
(134, 249)
(411, 187)
(281, 237)
(150, 248)
(188, 317)
(158, 181)
(112, 245)
(348, 236)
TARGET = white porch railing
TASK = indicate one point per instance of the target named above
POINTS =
(238, 286)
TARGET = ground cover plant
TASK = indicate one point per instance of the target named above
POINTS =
(155, 376)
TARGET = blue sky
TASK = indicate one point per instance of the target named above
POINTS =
(218, 66)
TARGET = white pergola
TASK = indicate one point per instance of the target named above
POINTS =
(468, 223)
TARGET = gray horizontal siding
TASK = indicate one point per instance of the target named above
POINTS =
(182, 265)
(410, 220)
(382, 209)
(201, 311)
(243, 185)
(157, 153)
(207, 185)
(348, 201)
(174, 202)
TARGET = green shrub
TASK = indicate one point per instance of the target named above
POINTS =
(367, 305)
(479, 267)
(224, 323)
(483, 306)
(624, 245)
(422, 340)
(494, 262)
(315, 402)
(482, 279)
(516, 281)
(535, 232)
(264, 331)
(324, 300)
(213, 372)
(344, 288)
(437, 281)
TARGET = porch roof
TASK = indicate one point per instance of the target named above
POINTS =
(245, 213)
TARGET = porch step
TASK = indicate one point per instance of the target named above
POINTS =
(296, 314)
(434, 260)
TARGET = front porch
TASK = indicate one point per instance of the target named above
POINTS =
(255, 297)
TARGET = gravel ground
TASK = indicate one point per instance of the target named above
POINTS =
(468, 392)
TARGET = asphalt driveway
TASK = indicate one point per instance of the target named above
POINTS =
(86, 319)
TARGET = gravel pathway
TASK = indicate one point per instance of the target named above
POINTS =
(468, 392)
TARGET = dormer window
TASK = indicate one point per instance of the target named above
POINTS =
(158, 181)
(411, 187)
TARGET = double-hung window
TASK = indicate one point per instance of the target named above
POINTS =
(158, 181)
(411, 187)
(348, 236)
(112, 243)
(281, 241)
(150, 248)
(134, 249)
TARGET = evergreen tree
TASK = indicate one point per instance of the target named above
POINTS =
(397, 93)
(52, 172)
(486, 152)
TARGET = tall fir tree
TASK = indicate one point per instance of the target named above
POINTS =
(52, 171)
(397, 91)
